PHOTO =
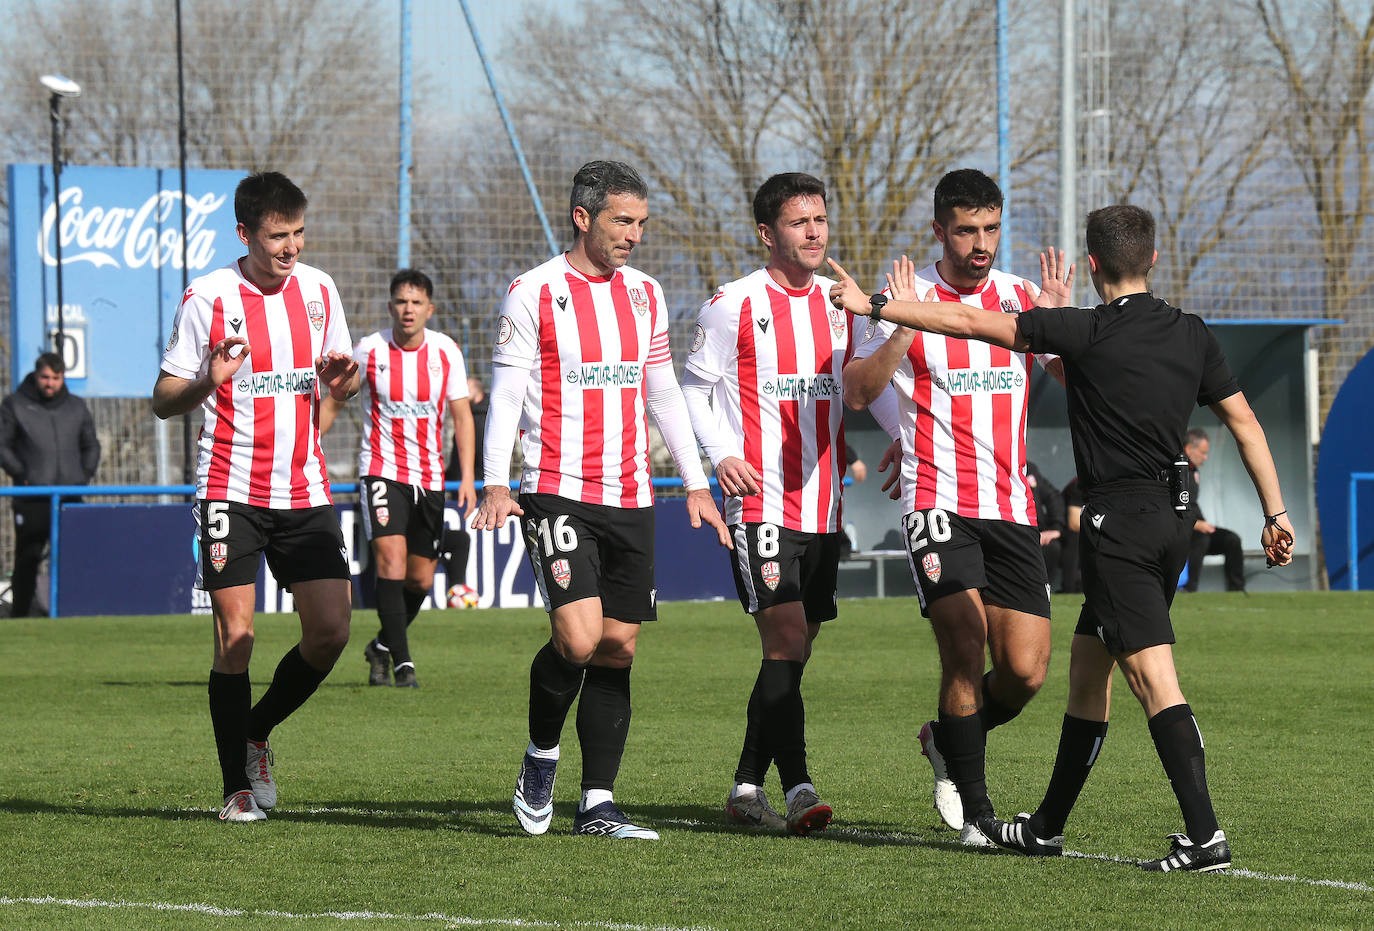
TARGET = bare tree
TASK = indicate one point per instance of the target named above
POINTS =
(1325, 66)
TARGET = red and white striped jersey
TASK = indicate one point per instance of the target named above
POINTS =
(775, 356)
(408, 392)
(588, 341)
(260, 441)
(963, 409)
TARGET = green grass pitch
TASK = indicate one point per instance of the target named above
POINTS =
(395, 805)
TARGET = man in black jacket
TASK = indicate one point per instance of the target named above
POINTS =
(1208, 539)
(47, 437)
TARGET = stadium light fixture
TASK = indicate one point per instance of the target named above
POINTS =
(58, 87)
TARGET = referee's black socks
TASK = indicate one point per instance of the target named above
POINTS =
(1179, 745)
(554, 684)
(1080, 740)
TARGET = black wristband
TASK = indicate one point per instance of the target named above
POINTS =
(1273, 518)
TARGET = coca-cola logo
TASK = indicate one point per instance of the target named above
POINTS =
(131, 236)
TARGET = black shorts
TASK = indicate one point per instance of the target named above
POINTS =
(582, 550)
(1132, 547)
(391, 508)
(774, 565)
(302, 544)
(999, 559)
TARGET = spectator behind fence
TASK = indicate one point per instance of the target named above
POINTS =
(1049, 519)
(47, 437)
(1208, 539)
(1073, 511)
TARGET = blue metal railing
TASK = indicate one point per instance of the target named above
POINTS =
(55, 494)
(1353, 545)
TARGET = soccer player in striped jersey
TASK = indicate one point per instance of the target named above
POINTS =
(411, 375)
(763, 386)
(581, 356)
(255, 345)
(969, 516)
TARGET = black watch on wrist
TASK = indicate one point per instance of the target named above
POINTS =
(876, 304)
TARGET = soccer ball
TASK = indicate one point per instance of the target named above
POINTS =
(460, 596)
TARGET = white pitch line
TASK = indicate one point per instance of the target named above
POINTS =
(450, 920)
(918, 841)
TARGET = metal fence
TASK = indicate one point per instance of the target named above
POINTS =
(1238, 123)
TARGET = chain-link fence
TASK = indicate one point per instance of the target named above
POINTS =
(1240, 123)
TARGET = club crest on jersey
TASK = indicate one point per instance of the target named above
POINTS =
(639, 300)
(1010, 306)
(219, 555)
(315, 310)
(504, 331)
(383, 515)
(698, 338)
(769, 572)
(837, 322)
(562, 573)
(930, 562)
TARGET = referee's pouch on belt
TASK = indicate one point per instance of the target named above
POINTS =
(1177, 477)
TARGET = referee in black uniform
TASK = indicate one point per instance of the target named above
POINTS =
(1134, 367)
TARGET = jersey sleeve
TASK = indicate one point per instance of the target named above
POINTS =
(659, 352)
(517, 328)
(715, 339)
(188, 349)
(1063, 331)
(336, 338)
(458, 374)
(870, 335)
(1218, 383)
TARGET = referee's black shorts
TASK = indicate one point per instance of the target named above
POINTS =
(1133, 546)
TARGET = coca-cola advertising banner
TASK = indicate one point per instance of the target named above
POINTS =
(121, 266)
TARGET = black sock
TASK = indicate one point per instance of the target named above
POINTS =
(294, 681)
(1080, 741)
(455, 556)
(230, 698)
(754, 758)
(994, 713)
(1179, 745)
(554, 683)
(414, 602)
(603, 723)
(962, 743)
(785, 729)
(391, 611)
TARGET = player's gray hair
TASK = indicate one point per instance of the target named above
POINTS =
(594, 184)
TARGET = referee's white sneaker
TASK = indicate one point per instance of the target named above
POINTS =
(260, 778)
(947, 801)
(241, 806)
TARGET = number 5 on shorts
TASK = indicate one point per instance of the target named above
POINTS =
(217, 519)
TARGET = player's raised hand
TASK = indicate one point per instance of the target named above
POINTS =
(901, 284)
(893, 458)
(1056, 280)
(497, 504)
(702, 507)
(338, 372)
(846, 293)
(738, 478)
(227, 357)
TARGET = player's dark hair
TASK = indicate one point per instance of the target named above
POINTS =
(1196, 435)
(781, 188)
(415, 278)
(267, 194)
(968, 188)
(50, 361)
(1122, 239)
(594, 184)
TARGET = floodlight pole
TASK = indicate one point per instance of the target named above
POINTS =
(55, 115)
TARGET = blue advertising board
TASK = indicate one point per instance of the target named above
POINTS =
(121, 266)
(157, 575)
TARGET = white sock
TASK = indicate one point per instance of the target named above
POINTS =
(792, 792)
(742, 788)
(593, 797)
(549, 754)
(400, 666)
